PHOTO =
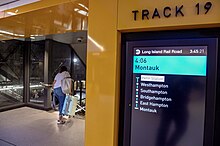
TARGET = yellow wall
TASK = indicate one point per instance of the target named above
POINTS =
(107, 20)
(102, 75)
(189, 20)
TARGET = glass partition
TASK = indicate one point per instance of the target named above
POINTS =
(37, 90)
(11, 72)
(79, 76)
(35, 61)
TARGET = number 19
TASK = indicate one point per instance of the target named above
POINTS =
(207, 7)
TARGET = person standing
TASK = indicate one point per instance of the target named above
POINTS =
(58, 91)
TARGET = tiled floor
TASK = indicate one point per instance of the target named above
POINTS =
(31, 127)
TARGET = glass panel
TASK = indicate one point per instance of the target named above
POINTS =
(11, 72)
(79, 69)
(79, 75)
(37, 90)
(61, 55)
(65, 54)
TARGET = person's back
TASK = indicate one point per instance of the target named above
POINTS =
(59, 77)
(58, 91)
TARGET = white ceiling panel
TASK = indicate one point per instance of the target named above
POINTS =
(9, 4)
(5, 2)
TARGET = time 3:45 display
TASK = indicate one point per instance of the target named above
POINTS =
(197, 51)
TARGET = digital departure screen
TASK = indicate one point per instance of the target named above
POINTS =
(168, 96)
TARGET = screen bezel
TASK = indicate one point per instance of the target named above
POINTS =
(211, 77)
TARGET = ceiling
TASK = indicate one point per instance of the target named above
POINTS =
(9, 4)
(67, 38)
(57, 19)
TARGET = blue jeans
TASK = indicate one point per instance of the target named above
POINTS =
(61, 97)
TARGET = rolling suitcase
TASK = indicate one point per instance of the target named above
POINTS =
(69, 106)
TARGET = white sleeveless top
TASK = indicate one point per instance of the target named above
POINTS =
(59, 77)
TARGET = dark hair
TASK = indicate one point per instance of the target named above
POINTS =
(62, 69)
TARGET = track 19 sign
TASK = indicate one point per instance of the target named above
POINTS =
(167, 12)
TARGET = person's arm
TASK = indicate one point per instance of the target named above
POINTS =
(54, 81)
(53, 84)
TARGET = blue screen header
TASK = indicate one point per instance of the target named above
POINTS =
(172, 65)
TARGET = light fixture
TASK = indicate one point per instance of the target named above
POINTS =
(75, 60)
(83, 6)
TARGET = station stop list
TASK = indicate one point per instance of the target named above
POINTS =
(168, 95)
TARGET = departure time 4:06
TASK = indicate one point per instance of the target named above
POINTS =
(140, 60)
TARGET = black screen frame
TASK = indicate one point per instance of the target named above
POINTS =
(211, 77)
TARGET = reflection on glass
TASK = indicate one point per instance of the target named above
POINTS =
(37, 91)
(177, 113)
(11, 72)
(79, 69)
